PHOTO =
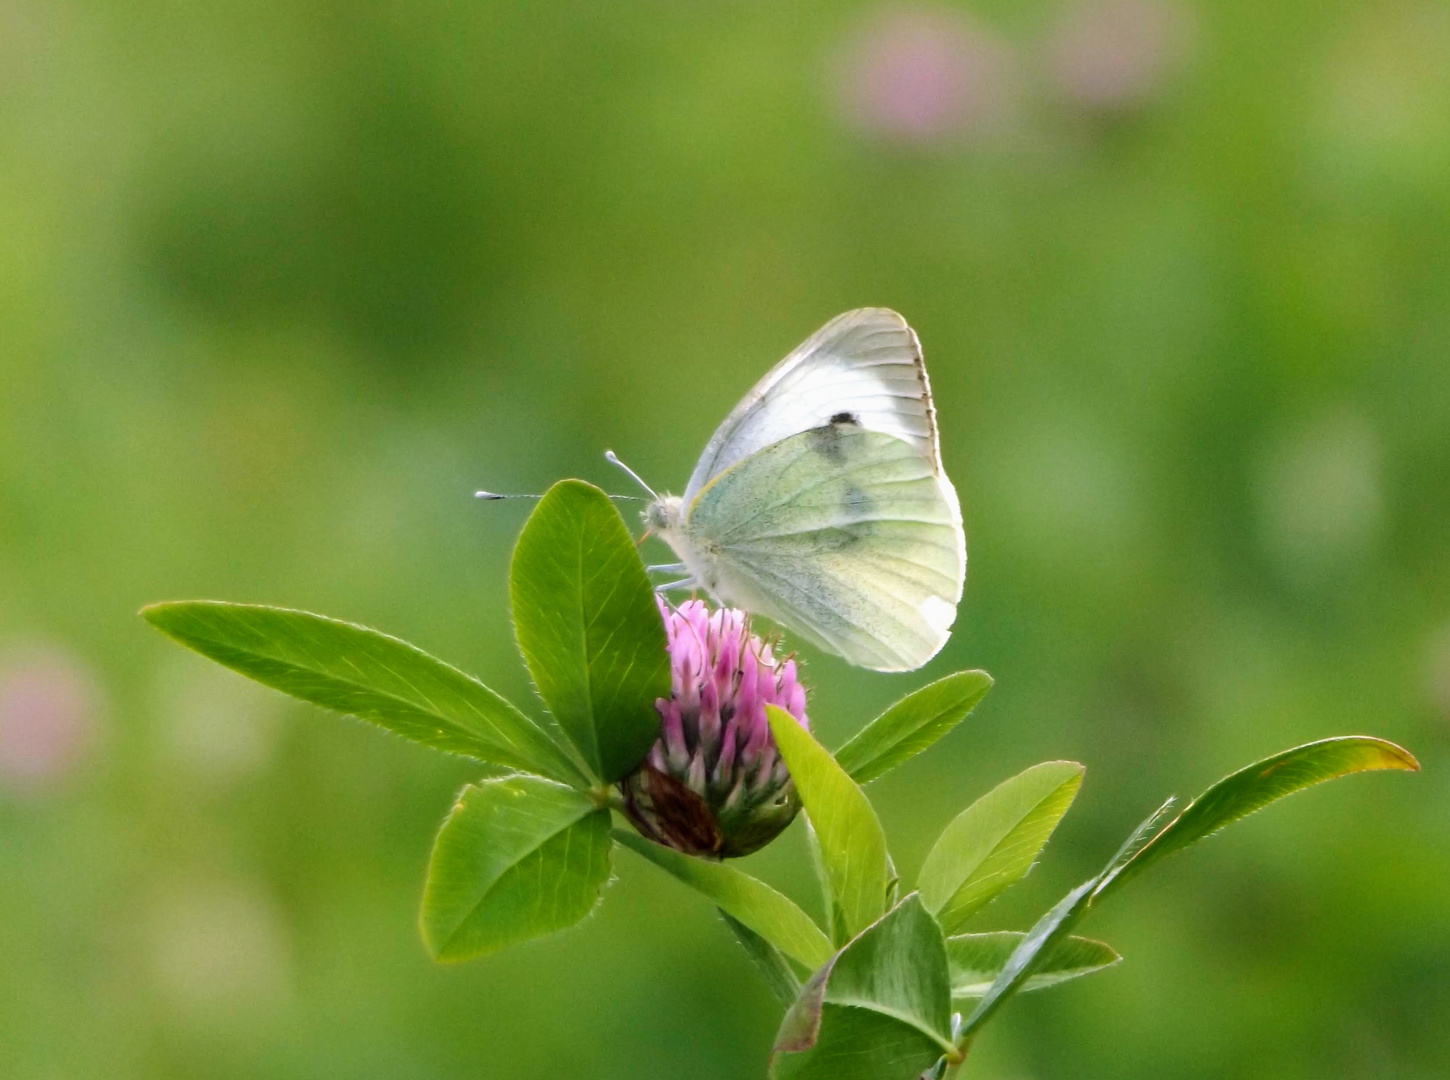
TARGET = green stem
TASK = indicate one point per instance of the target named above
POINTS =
(955, 1067)
(949, 1066)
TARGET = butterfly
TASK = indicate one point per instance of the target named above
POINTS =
(821, 502)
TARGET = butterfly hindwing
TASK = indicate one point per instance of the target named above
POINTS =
(850, 537)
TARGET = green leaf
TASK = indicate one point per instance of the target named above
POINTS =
(1234, 797)
(879, 1010)
(977, 959)
(754, 903)
(912, 724)
(992, 844)
(517, 857)
(1251, 789)
(589, 627)
(835, 924)
(767, 960)
(1031, 954)
(858, 1044)
(853, 847)
(370, 675)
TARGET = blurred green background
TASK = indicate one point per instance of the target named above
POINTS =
(281, 284)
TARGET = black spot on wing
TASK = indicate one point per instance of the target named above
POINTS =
(826, 441)
(829, 440)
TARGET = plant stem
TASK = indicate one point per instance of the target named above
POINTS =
(955, 1067)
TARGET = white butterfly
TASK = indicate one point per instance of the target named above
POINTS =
(821, 502)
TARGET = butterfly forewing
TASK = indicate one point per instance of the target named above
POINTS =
(865, 364)
(848, 536)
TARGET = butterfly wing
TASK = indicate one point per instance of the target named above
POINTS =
(865, 364)
(850, 537)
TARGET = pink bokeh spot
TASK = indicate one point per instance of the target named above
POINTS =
(924, 73)
(1112, 55)
(48, 705)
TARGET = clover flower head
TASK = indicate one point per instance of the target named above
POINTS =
(714, 783)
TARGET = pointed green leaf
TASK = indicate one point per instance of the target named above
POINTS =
(767, 960)
(517, 858)
(977, 959)
(1031, 953)
(879, 1010)
(367, 674)
(1038, 943)
(754, 903)
(1234, 797)
(853, 847)
(993, 843)
(912, 724)
(589, 628)
(1251, 789)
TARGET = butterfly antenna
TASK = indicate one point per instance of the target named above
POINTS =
(490, 496)
(610, 457)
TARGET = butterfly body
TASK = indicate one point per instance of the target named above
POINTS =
(821, 502)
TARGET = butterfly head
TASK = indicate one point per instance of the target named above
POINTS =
(663, 514)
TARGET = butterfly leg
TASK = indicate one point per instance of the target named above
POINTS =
(667, 568)
(683, 583)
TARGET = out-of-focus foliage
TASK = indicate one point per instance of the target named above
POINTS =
(280, 285)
